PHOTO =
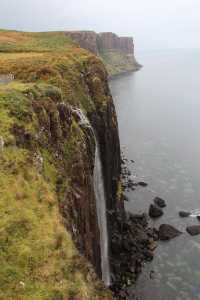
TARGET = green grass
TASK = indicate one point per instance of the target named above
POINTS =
(118, 62)
(13, 41)
(38, 259)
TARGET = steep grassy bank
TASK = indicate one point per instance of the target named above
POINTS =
(47, 199)
(118, 63)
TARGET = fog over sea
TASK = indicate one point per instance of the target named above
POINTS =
(158, 112)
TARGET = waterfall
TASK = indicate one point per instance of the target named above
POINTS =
(100, 197)
(101, 213)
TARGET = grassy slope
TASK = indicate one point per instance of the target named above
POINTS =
(37, 256)
(118, 62)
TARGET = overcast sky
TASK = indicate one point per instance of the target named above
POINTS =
(154, 24)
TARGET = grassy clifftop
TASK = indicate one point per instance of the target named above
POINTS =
(37, 255)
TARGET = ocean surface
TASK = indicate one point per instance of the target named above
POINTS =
(158, 112)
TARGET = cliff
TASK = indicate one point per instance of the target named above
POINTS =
(117, 52)
(47, 158)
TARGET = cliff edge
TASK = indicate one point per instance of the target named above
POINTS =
(55, 105)
(116, 52)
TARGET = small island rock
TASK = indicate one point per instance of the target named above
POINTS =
(159, 202)
(184, 214)
(155, 211)
(193, 230)
(142, 183)
(167, 232)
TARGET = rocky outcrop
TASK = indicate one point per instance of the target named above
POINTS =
(110, 41)
(86, 40)
(116, 52)
(98, 43)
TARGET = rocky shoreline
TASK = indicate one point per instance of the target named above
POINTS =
(134, 240)
(133, 243)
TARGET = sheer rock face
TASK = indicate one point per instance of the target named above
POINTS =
(103, 41)
(70, 148)
(109, 41)
(79, 204)
(86, 40)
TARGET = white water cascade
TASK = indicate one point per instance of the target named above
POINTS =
(100, 196)
(101, 213)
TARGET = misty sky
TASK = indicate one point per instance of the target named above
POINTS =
(154, 24)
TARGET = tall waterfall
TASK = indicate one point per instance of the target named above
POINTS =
(100, 201)
(101, 213)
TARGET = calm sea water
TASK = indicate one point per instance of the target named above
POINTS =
(159, 121)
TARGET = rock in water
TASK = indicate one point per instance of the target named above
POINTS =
(184, 214)
(155, 211)
(142, 183)
(198, 218)
(167, 232)
(159, 202)
(193, 230)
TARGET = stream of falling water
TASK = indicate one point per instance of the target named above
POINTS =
(100, 202)
(101, 213)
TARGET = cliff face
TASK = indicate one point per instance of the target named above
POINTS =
(86, 40)
(116, 52)
(47, 158)
(110, 41)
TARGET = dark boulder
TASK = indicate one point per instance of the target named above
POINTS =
(184, 214)
(148, 255)
(155, 211)
(159, 202)
(142, 183)
(193, 230)
(167, 232)
(198, 218)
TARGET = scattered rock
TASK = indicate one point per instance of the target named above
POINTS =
(184, 214)
(155, 211)
(129, 252)
(193, 230)
(168, 232)
(148, 255)
(142, 183)
(159, 202)
(152, 244)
